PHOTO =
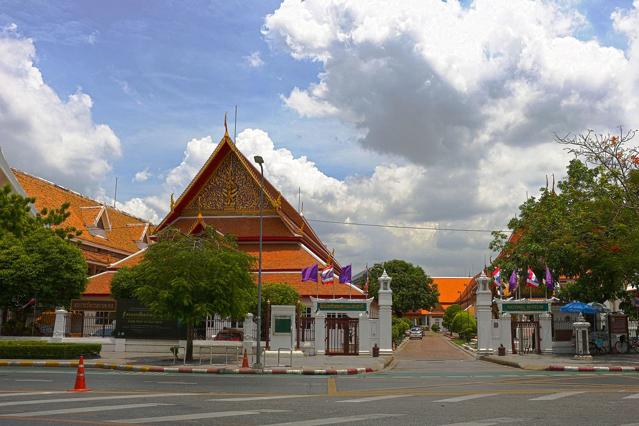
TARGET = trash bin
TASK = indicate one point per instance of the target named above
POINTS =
(375, 351)
(501, 351)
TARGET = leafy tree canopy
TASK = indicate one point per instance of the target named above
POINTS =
(188, 277)
(464, 324)
(279, 294)
(412, 288)
(36, 258)
(449, 314)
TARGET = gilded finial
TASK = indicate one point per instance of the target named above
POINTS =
(302, 227)
(226, 128)
(278, 201)
(199, 217)
(172, 201)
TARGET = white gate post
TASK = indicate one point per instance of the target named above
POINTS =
(484, 316)
(364, 333)
(545, 333)
(505, 328)
(59, 327)
(320, 333)
(385, 299)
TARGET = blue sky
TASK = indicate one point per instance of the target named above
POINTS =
(412, 111)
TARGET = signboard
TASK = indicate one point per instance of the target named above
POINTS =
(341, 306)
(283, 325)
(93, 305)
(134, 321)
(618, 324)
(530, 307)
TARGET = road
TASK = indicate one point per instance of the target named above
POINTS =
(432, 383)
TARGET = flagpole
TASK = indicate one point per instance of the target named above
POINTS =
(317, 283)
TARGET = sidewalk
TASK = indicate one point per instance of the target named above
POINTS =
(140, 362)
(616, 362)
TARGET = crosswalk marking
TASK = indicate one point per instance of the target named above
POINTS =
(334, 420)
(2, 395)
(557, 395)
(466, 397)
(91, 398)
(194, 416)
(82, 410)
(33, 380)
(374, 398)
(487, 422)
(259, 398)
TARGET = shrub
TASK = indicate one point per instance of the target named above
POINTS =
(425, 328)
(435, 327)
(400, 326)
(34, 349)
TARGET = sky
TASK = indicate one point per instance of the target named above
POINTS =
(418, 113)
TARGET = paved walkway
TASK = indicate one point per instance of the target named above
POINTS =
(546, 362)
(433, 347)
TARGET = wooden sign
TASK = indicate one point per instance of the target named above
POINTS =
(94, 305)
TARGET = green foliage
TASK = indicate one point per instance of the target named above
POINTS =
(37, 349)
(580, 233)
(449, 314)
(399, 328)
(464, 324)
(435, 328)
(412, 288)
(279, 294)
(187, 277)
(125, 282)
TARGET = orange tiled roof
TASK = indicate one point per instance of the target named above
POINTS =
(129, 261)
(101, 258)
(239, 226)
(99, 285)
(124, 229)
(449, 287)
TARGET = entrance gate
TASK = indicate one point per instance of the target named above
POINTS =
(526, 337)
(341, 336)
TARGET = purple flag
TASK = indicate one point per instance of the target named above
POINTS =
(310, 273)
(512, 282)
(550, 285)
(345, 275)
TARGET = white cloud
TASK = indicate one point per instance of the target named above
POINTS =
(254, 60)
(142, 175)
(40, 132)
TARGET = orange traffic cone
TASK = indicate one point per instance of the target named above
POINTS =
(245, 363)
(80, 384)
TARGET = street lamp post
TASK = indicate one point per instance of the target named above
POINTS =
(259, 160)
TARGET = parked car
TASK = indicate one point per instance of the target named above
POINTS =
(230, 335)
(416, 333)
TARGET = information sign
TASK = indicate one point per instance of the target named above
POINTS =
(93, 305)
(530, 307)
(341, 306)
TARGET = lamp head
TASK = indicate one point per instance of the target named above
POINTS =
(258, 159)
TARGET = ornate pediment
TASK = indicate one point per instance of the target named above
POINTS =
(229, 189)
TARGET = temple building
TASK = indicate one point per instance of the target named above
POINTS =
(225, 195)
(107, 234)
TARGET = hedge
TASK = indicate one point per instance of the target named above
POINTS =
(34, 349)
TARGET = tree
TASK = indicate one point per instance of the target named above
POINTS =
(279, 294)
(187, 277)
(37, 260)
(464, 324)
(449, 315)
(412, 288)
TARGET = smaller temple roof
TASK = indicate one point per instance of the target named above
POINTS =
(450, 288)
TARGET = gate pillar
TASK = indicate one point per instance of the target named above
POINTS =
(506, 333)
(545, 333)
(364, 334)
(385, 299)
(320, 333)
(484, 316)
(59, 327)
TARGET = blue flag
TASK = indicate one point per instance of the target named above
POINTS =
(345, 275)
(310, 273)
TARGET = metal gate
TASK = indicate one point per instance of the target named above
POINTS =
(341, 336)
(526, 337)
(305, 330)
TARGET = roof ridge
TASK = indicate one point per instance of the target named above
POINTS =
(79, 194)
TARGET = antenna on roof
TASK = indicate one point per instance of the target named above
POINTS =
(235, 126)
(299, 198)
(115, 193)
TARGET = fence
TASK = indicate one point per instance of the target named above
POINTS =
(216, 324)
(31, 321)
(305, 330)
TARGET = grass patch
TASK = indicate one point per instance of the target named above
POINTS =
(459, 341)
(37, 349)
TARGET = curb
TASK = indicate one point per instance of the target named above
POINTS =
(589, 369)
(191, 370)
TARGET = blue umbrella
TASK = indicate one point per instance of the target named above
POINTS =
(578, 307)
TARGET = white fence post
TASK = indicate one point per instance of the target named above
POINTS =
(320, 333)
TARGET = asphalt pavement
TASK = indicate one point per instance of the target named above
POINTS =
(432, 389)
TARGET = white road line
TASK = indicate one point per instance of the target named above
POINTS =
(487, 422)
(374, 398)
(334, 420)
(176, 383)
(634, 396)
(554, 396)
(82, 410)
(2, 395)
(91, 398)
(466, 397)
(33, 380)
(195, 416)
(259, 398)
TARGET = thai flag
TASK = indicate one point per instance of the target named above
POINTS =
(531, 280)
(497, 277)
(327, 274)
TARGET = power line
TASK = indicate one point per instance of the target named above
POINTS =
(422, 228)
